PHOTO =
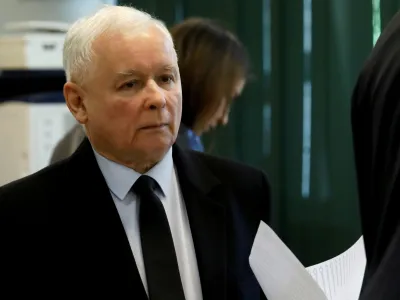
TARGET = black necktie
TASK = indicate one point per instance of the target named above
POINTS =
(161, 265)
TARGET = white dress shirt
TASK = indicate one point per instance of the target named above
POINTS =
(120, 179)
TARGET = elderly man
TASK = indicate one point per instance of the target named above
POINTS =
(128, 216)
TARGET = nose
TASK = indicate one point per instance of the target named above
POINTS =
(225, 119)
(155, 96)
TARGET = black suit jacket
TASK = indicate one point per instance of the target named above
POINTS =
(61, 235)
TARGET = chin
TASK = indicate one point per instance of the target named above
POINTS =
(158, 147)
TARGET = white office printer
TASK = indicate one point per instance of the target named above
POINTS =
(31, 122)
(32, 119)
(32, 45)
(29, 132)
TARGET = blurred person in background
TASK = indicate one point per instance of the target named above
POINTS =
(214, 69)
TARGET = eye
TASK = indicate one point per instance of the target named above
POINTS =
(167, 79)
(130, 84)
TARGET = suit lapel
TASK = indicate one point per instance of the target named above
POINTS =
(103, 235)
(200, 190)
(100, 226)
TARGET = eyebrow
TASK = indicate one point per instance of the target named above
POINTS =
(170, 68)
(127, 73)
(133, 72)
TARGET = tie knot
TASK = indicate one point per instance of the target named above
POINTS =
(144, 185)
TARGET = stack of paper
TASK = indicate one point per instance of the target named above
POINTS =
(283, 277)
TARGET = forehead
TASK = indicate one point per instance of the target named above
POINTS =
(143, 51)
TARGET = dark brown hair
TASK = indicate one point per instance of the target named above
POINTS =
(211, 61)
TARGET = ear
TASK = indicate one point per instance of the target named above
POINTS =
(74, 97)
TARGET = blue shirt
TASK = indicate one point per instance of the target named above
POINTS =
(187, 139)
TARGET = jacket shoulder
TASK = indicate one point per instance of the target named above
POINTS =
(22, 199)
(249, 184)
(228, 168)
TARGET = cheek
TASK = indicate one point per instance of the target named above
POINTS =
(175, 105)
(121, 109)
(118, 116)
(178, 109)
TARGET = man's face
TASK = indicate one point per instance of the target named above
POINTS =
(133, 97)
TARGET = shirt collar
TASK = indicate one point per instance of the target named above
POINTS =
(120, 178)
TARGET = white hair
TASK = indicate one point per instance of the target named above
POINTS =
(78, 51)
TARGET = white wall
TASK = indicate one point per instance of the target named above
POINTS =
(47, 10)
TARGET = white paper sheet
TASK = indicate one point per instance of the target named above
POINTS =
(283, 277)
(341, 277)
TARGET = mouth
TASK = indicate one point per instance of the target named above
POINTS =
(155, 126)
